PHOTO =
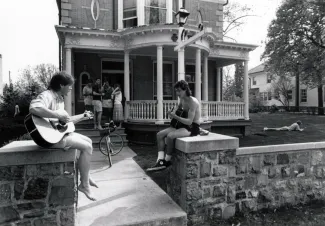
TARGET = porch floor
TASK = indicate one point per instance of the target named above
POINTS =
(126, 196)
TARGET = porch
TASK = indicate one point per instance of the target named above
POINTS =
(141, 122)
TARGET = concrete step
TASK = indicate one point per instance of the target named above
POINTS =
(126, 196)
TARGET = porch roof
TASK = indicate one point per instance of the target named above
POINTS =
(151, 35)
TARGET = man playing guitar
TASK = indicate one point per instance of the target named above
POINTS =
(188, 124)
(50, 104)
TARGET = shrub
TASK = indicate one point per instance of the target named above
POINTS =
(25, 136)
(273, 108)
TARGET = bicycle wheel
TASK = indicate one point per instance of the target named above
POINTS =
(113, 143)
(103, 145)
(116, 145)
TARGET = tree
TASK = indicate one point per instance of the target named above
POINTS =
(228, 85)
(293, 37)
(239, 77)
(9, 99)
(282, 89)
(233, 17)
(44, 73)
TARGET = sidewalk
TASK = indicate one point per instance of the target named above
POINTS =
(126, 196)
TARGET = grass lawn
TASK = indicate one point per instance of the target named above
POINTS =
(314, 132)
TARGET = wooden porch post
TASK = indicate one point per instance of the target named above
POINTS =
(67, 99)
(126, 83)
(204, 109)
(246, 97)
(205, 78)
(159, 85)
(120, 14)
(198, 75)
(218, 85)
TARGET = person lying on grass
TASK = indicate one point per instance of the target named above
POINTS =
(293, 127)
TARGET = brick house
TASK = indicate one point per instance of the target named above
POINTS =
(131, 42)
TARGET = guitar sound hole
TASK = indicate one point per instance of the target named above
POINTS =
(61, 128)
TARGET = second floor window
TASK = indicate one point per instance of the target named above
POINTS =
(269, 78)
(130, 18)
(155, 11)
(303, 95)
(254, 81)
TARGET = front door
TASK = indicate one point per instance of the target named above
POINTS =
(114, 78)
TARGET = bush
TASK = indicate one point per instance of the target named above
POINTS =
(274, 108)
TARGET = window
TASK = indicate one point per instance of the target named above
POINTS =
(130, 18)
(264, 96)
(269, 95)
(303, 95)
(254, 81)
(269, 78)
(155, 11)
(175, 10)
(289, 94)
(83, 78)
(168, 87)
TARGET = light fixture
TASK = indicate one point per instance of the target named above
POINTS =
(181, 16)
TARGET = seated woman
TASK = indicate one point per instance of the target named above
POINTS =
(293, 127)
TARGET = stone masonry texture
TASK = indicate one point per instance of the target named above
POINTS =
(217, 184)
(38, 194)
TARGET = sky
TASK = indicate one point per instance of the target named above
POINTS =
(28, 37)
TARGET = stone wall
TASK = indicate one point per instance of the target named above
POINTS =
(37, 186)
(211, 178)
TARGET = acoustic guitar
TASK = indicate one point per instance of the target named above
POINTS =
(174, 122)
(48, 131)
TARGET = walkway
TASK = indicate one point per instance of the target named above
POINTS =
(126, 196)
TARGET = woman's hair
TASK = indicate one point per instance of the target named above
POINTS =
(299, 122)
(184, 86)
(60, 78)
(117, 85)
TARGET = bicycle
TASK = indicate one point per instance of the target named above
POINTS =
(110, 144)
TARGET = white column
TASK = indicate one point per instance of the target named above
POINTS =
(169, 16)
(181, 57)
(205, 78)
(140, 12)
(126, 83)
(218, 85)
(246, 97)
(120, 14)
(67, 99)
(198, 75)
(159, 85)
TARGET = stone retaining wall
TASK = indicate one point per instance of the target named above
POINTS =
(37, 186)
(211, 178)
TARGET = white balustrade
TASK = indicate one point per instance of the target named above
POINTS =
(146, 110)
(224, 110)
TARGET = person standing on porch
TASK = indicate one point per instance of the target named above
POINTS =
(97, 103)
(50, 104)
(87, 92)
(185, 122)
(118, 108)
(107, 101)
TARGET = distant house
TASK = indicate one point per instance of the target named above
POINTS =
(261, 86)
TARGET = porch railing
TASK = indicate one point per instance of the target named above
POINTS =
(146, 110)
(223, 110)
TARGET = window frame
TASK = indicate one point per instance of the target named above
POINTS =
(154, 80)
(81, 95)
(130, 18)
(254, 81)
(303, 98)
(155, 7)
